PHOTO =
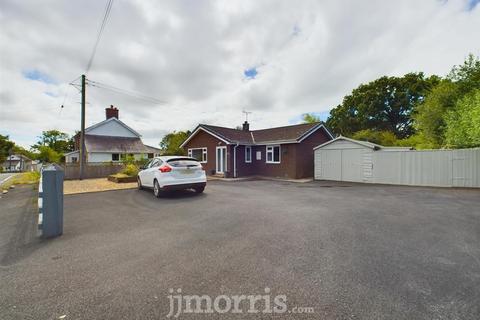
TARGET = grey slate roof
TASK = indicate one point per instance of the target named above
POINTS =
(278, 134)
(97, 143)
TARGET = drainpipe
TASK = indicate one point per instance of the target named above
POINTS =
(235, 160)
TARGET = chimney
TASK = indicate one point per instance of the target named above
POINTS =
(111, 112)
(246, 126)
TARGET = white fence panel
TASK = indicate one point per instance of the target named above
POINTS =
(442, 168)
(466, 167)
(387, 166)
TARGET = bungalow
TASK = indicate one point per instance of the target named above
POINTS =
(111, 140)
(17, 162)
(285, 152)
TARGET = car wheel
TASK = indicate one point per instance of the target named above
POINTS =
(199, 189)
(139, 184)
(156, 189)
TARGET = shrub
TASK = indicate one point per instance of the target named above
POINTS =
(128, 159)
(130, 170)
(143, 162)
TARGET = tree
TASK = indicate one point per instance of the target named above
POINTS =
(6, 146)
(384, 138)
(59, 141)
(48, 155)
(430, 114)
(310, 118)
(385, 104)
(27, 153)
(467, 75)
(442, 101)
(171, 142)
(463, 122)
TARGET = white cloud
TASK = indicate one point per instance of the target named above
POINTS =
(192, 54)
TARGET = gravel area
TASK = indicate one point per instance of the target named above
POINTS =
(94, 185)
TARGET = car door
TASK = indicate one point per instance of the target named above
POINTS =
(147, 175)
(151, 171)
(143, 173)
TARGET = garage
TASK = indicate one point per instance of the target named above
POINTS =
(345, 159)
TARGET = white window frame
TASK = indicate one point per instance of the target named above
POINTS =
(258, 155)
(204, 153)
(269, 149)
(246, 158)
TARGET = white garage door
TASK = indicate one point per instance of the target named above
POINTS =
(328, 165)
(341, 164)
(352, 165)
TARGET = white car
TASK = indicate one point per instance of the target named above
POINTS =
(171, 173)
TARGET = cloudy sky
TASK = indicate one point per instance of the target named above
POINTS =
(209, 60)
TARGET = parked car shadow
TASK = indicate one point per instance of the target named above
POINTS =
(173, 195)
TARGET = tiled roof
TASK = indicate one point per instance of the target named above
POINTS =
(279, 134)
(152, 149)
(229, 134)
(294, 132)
(97, 143)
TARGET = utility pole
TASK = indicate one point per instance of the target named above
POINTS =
(82, 132)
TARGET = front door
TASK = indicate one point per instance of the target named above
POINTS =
(221, 160)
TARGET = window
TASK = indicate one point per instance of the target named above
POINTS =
(198, 153)
(248, 154)
(149, 163)
(74, 159)
(155, 163)
(259, 155)
(273, 154)
(150, 155)
(115, 157)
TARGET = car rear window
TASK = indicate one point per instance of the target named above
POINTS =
(184, 162)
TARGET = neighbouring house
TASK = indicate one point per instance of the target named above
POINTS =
(111, 140)
(285, 152)
(17, 163)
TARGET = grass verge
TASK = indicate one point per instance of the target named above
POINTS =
(22, 178)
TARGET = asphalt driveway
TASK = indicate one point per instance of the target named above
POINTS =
(348, 251)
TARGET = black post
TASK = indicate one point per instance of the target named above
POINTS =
(10, 160)
(82, 132)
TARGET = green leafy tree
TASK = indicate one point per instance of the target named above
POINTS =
(441, 103)
(463, 122)
(467, 75)
(310, 118)
(57, 140)
(27, 153)
(384, 138)
(385, 104)
(48, 155)
(6, 146)
(170, 144)
(430, 114)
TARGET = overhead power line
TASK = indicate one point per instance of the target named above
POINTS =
(129, 93)
(99, 35)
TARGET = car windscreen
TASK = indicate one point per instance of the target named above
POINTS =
(183, 163)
